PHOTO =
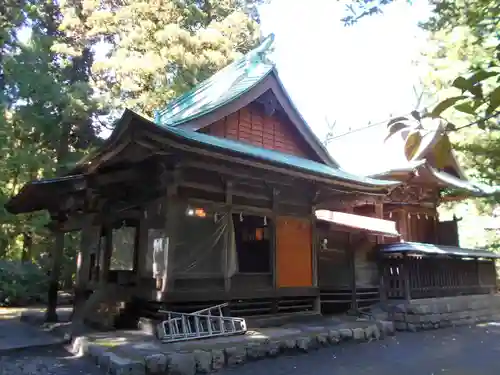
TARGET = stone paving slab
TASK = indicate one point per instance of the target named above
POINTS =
(135, 353)
(16, 335)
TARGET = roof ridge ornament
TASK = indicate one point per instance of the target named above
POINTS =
(261, 51)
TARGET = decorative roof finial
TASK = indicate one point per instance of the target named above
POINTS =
(264, 47)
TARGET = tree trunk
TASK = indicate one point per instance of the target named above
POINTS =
(55, 274)
(27, 247)
(58, 251)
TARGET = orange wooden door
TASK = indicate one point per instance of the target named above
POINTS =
(293, 252)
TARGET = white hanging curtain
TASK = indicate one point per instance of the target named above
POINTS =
(232, 254)
(160, 256)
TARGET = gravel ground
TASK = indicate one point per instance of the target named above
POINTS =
(46, 362)
(459, 351)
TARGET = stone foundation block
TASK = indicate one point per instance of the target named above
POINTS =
(288, 345)
(235, 355)
(304, 343)
(386, 328)
(345, 334)
(156, 363)
(124, 366)
(203, 361)
(322, 339)
(358, 334)
(399, 317)
(333, 336)
(400, 326)
(181, 364)
(256, 350)
(218, 359)
(273, 348)
(412, 327)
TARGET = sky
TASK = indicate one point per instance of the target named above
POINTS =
(351, 75)
(348, 75)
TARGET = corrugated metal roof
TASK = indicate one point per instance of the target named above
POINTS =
(431, 249)
(277, 157)
(222, 88)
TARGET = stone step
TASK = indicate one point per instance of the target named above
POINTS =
(132, 353)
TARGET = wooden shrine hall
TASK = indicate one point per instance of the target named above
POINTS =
(213, 201)
(428, 262)
(228, 196)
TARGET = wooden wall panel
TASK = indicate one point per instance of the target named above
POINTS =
(333, 261)
(251, 125)
(293, 252)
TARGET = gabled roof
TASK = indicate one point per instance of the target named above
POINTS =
(232, 88)
(386, 159)
(135, 130)
(220, 89)
(277, 157)
(228, 146)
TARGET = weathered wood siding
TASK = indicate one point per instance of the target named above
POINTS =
(333, 262)
(416, 224)
(293, 252)
(365, 263)
(251, 125)
(448, 233)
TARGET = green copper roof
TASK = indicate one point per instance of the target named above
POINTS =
(223, 87)
(475, 188)
(277, 157)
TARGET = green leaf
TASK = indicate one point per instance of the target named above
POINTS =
(412, 143)
(445, 104)
(481, 75)
(466, 108)
(450, 127)
(468, 85)
(462, 84)
(396, 119)
(494, 98)
(394, 128)
(441, 151)
(416, 115)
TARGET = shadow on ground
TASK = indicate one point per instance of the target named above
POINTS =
(455, 351)
(46, 361)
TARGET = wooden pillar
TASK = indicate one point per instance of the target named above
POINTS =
(274, 242)
(314, 243)
(106, 255)
(314, 252)
(88, 240)
(141, 247)
(381, 272)
(352, 267)
(404, 225)
(55, 273)
(406, 278)
(83, 260)
(379, 213)
(172, 215)
(228, 212)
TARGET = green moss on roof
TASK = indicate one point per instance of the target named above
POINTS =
(222, 88)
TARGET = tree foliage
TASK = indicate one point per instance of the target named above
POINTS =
(66, 66)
